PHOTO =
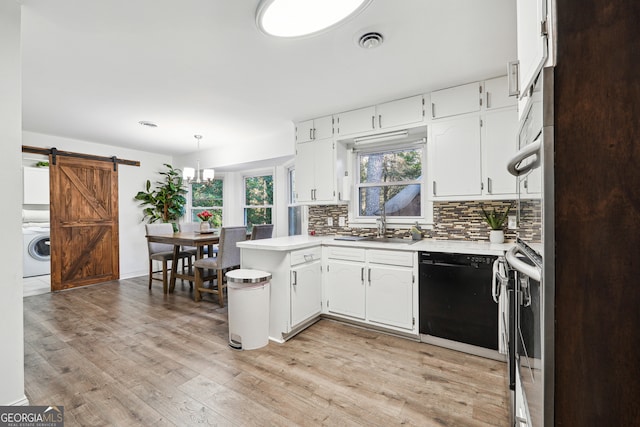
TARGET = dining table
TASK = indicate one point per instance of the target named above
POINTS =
(197, 239)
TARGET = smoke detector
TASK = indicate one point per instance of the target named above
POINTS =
(370, 40)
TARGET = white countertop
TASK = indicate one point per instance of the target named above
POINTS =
(428, 245)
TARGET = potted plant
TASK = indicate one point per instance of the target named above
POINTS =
(166, 201)
(496, 220)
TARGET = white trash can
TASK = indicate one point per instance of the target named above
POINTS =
(248, 308)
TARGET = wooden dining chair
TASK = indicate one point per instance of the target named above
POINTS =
(164, 253)
(261, 231)
(208, 269)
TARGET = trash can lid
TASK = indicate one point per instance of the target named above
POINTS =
(247, 276)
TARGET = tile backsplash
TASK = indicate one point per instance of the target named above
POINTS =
(452, 220)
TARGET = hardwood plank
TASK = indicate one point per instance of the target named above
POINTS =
(119, 354)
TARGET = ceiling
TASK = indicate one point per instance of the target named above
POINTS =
(93, 69)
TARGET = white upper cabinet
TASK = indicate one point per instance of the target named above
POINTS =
(401, 112)
(455, 157)
(499, 130)
(356, 121)
(311, 130)
(532, 25)
(496, 94)
(315, 171)
(455, 100)
(35, 186)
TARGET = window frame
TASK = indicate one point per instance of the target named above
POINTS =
(270, 173)
(192, 208)
(426, 205)
(292, 202)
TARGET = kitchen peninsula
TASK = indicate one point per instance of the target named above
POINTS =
(316, 276)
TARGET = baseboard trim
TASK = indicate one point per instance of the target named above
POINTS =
(20, 402)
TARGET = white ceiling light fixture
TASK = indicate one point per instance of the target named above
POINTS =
(299, 18)
(195, 175)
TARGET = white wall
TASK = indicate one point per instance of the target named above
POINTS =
(240, 152)
(11, 325)
(131, 179)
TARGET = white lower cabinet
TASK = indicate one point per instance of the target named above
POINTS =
(345, 288)
(390, 296)
(306, 291)
(376, 287)
(296, 287)
(344, 284)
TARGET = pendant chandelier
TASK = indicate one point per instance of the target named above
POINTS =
(196, 175)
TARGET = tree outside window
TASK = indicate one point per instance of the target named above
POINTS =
(207, 196)
(392, 179)
(258, 192)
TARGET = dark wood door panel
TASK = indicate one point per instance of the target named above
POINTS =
(84, 222)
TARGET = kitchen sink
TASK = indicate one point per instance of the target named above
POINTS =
(388, 240)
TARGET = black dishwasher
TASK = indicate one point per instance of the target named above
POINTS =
(455, 299)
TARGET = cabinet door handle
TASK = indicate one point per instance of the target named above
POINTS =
(311, 133)
(314, 133)
(373, 122)
(295, 278)
(369, 277)
(362, 274)
(513, 69)
(489, 186)
(434, 188)
(433, 110)
(488, 104)
(380, 121)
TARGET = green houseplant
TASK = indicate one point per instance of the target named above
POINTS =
(496, 220)
(166, 201)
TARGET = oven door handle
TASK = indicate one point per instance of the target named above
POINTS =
(515, 166)
(499, 275)
(520, 266)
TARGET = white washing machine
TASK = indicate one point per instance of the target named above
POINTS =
(37, 251)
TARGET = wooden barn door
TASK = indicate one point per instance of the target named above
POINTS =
(84, 222)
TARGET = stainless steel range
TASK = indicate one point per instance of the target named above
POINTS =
(532, 259)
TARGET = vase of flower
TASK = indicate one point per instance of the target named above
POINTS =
(204, 216)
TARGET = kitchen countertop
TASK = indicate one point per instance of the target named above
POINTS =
(428, 245)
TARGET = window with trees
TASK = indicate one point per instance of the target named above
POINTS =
(390, 180)
(258, 200)
(207, 196)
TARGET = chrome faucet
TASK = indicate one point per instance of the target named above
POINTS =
(382, 222)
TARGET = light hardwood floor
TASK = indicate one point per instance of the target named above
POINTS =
(118, 354)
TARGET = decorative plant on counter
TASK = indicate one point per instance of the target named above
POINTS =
(495, 219)
(166, 201)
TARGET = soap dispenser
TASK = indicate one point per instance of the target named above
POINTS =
(416, 232)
